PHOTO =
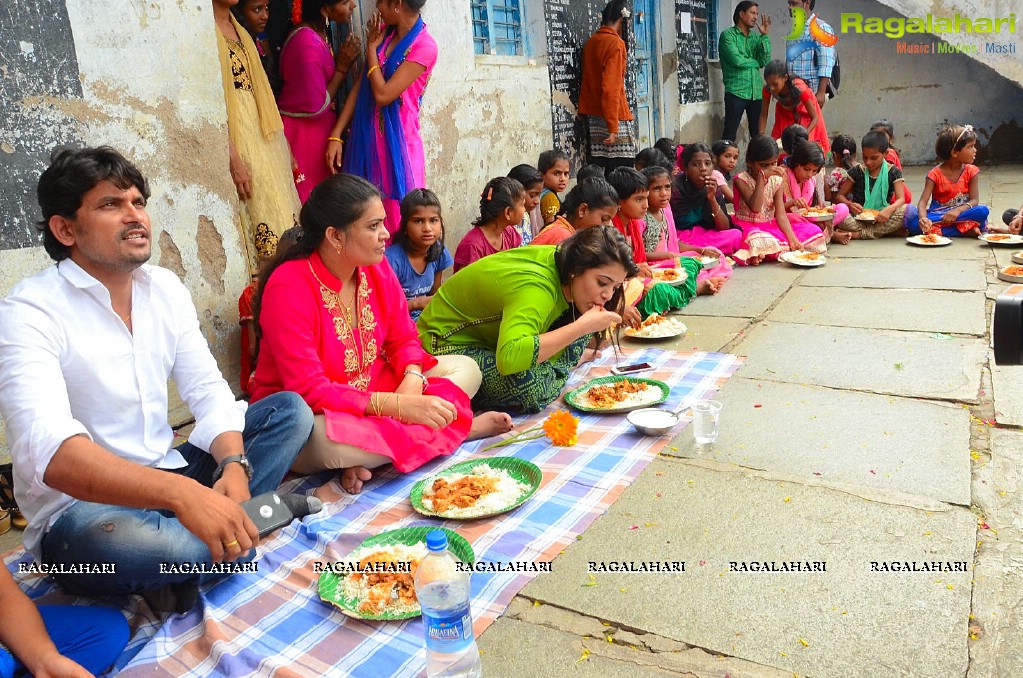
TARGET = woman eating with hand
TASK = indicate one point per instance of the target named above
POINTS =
(527, 315)
(333, 326)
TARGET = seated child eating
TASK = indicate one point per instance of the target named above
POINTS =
(875, 188)
(418, 255)
(592, 202)
(698, 208)
(802, 168)
(950, 202)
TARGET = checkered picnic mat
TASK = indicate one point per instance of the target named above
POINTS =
(273, 621)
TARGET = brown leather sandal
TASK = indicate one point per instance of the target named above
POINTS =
(11, 514)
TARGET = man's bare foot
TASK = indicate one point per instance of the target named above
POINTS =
(489, 424)
(841, 237)
(353, 477)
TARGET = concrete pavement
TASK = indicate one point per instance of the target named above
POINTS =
(860, 433)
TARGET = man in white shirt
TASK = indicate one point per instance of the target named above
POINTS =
(86, 350)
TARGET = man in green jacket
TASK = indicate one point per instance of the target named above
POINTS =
(743, 52)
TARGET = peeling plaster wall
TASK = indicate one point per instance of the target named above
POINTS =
(150, 83)
(481, 115)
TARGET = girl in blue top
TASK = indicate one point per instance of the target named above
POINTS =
(418, 255)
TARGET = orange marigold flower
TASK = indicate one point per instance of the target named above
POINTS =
(562, 428)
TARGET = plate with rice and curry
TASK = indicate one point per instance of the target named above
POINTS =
(868, 215)
(376, 580)
(671, 276)
(805, 259)
(1013, 274)
(614, 394)
(818, 213)
(657, 326)
(477, 488)
(1002, 239)
(929, 240)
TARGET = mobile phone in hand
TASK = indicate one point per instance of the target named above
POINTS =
(623, 370)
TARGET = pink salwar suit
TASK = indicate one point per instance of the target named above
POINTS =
(670, 243)
(306, 108)
(806, 191)
(761, 234)
(310, 348)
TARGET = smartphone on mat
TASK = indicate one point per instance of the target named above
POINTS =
(623, 370)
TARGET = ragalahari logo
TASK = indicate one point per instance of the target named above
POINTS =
(818, 33)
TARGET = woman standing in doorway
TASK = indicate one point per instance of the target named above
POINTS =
(385, 145)
(260, 160)
(612, 137)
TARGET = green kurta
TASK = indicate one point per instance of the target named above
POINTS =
(503, 302)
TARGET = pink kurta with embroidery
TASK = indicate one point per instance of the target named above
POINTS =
(309, 347)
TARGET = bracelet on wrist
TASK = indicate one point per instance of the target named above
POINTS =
(426, 382)
(337, 139)
(370, 71)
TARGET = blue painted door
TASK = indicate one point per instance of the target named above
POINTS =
(647, 90)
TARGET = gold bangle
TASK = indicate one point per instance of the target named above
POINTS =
(370, 71)
(374, 403)
(337, 139)
(397, 404)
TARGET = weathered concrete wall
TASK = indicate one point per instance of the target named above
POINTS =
(918, 92)
(482, 114)
(150, 86)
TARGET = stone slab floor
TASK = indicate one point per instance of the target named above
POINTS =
(861, 431)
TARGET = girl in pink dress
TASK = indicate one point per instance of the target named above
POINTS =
(385, 145)
(311, 77)
(334, 327)
(760, 208)
(502, 208)
(698, 208)
(801, 169)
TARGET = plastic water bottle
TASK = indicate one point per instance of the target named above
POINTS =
(443, 593)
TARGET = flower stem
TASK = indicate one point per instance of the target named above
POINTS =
(529, 434)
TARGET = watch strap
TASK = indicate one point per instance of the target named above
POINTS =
(232, 459)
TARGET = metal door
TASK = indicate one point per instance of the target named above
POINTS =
(647, 92)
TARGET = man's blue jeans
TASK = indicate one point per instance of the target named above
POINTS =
(137, 541)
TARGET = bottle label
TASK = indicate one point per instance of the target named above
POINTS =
(451, 632)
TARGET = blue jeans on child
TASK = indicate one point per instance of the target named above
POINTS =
(978, 214)
(92, 636)
(139, 541)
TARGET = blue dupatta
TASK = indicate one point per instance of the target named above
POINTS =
(393, 173)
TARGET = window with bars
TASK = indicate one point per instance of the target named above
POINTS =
(712, 30)
(497, 27)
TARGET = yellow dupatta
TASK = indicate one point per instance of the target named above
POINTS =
(269, 117)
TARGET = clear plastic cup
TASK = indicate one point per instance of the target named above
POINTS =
(705, 421)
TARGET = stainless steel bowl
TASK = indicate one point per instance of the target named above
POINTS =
(644, 422)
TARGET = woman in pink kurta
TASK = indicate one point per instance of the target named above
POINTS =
(312, 76)
(385, 145)
(334, 328)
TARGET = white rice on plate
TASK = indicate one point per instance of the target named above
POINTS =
(383, 593)
(649, 394)
(664, 326)
(507, 492)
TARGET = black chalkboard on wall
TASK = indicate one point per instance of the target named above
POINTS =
(37, 52)
(693, 79)
(570, 23)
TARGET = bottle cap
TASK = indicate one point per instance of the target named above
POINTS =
(436, 540)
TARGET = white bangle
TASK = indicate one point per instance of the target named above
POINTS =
(426, 382)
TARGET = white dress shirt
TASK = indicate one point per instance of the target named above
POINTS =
(69, 366)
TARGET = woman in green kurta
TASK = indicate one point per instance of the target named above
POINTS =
(526, 315)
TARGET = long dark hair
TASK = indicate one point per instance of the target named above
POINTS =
(413, 200)
(499, 194)
(789, 96)
(592, 248)
(613, 11)
(338, 201)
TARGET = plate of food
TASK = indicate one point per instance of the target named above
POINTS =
(671, 276)
(707, 261)
(658, 327)
(1002, 238)
(477, 488)
(1013, 274)
(1017, 257)
(818, 213)
(799, 258)
(929, 240)
(608, 395)
(375, 581)
(868, 215)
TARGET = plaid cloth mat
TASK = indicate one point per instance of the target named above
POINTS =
(273, 621)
